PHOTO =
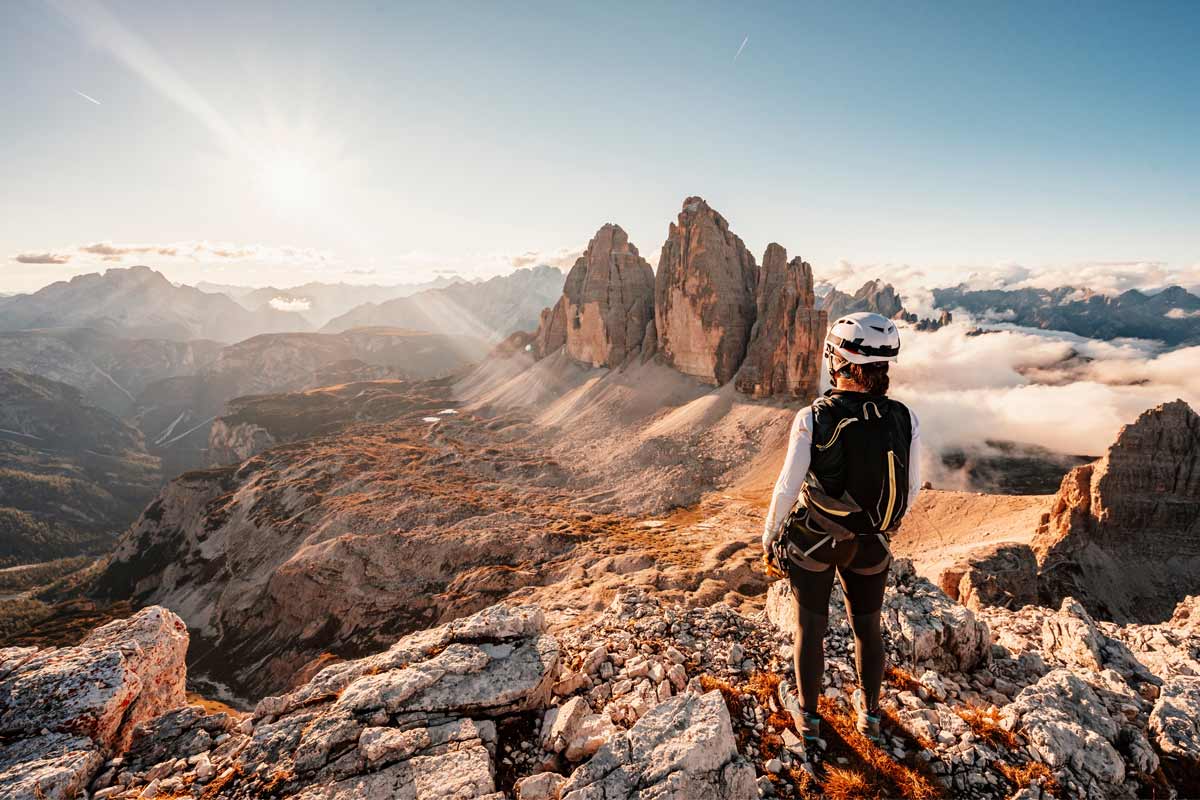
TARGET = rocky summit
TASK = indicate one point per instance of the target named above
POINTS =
(646, 700)
(608, 300)
(784, 354)
(704, 295)
(709, 312)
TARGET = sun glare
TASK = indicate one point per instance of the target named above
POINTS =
(289, 182)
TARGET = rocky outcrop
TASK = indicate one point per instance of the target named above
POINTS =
(653, 760)
(784, 353)
(440, 715)
(551, 333)
(63, 710)
(704, 295)
(1123, 535)
(874, 296)
(608, 299)
(1000, 575)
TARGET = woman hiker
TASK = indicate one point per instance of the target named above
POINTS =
(852, 470)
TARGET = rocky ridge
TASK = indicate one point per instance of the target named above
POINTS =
(649, 699)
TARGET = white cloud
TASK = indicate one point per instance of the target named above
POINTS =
(1063, 392)
(1179, 313)
(298, 304)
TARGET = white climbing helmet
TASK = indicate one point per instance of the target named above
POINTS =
(861, 338)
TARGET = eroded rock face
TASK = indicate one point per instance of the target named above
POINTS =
(704, 295)
(784, 353)
(608, 299)
(1123, 536)
(551, 334)
(62, 710)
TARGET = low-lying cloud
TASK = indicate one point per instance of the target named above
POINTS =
(1056, 390)
(297, 304)
(41, 258)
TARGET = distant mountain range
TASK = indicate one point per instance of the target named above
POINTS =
(140, 303)
(1171, 316)
(320, 302)
(490, 309)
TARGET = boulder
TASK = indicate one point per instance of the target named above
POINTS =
(1001, 575)
(543, 786)
(928, 629)
(1123, 535)
(1071, 636)
(682, 749)
(784, 353)
(54, 766)
(63, 710)
(704, 295)
(123, 673)
(1175, 719)
(608, 299)
(1068, 727)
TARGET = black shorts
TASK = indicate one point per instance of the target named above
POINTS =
(864, 593)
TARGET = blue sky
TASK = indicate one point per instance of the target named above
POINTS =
(383, 141)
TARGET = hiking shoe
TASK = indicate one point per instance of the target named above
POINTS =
(807, 725)
(867, 723)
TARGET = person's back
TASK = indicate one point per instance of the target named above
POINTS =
(851, 472)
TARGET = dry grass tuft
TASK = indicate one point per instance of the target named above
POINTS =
(1023, 775)
(902, 680)
(211, 706)
(985, 724)
(733, 698)
(891, 777)
(849, 784)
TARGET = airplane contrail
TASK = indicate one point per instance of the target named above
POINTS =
(740, 49)
(89, 98)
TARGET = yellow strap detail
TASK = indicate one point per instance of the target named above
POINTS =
(837, 431)
(887, 515)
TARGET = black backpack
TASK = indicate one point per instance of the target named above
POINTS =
(856, 490)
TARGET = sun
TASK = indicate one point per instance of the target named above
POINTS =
(290, 182)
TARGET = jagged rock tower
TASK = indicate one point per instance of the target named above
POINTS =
(708, 312)
(704, 295)
(1123, 535)
(784, 354)
(607, 302)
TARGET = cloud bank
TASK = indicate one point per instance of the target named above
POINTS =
(1063, 392)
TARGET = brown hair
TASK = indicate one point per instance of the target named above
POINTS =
(872, 378)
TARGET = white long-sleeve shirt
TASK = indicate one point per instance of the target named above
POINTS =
(795, 469)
